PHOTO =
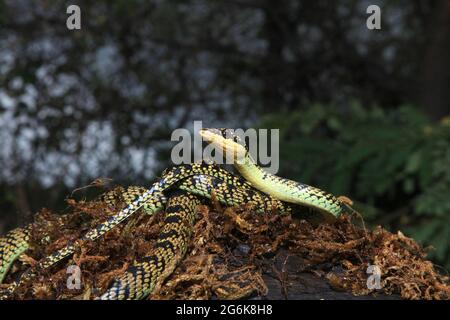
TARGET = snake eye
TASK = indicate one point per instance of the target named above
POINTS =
(226, 133)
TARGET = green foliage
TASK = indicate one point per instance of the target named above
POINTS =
(395, 164)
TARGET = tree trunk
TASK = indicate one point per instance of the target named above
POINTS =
(434, 88)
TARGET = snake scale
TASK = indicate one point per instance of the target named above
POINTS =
(178, 192)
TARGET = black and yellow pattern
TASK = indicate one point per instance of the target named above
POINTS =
(12, 246)
(141, 278)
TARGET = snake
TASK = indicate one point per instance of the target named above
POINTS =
(178, 192)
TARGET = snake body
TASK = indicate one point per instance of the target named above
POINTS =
(12, 245)
(184, 184)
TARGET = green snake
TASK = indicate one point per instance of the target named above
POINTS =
(179, 191)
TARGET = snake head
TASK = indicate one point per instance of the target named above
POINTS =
(226, 140)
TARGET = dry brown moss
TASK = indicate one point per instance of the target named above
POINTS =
(226, 254)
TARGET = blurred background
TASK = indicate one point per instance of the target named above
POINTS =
(362, 113)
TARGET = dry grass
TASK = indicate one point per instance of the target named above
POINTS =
(225, 254)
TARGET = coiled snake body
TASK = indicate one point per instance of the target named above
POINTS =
(179, 191)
